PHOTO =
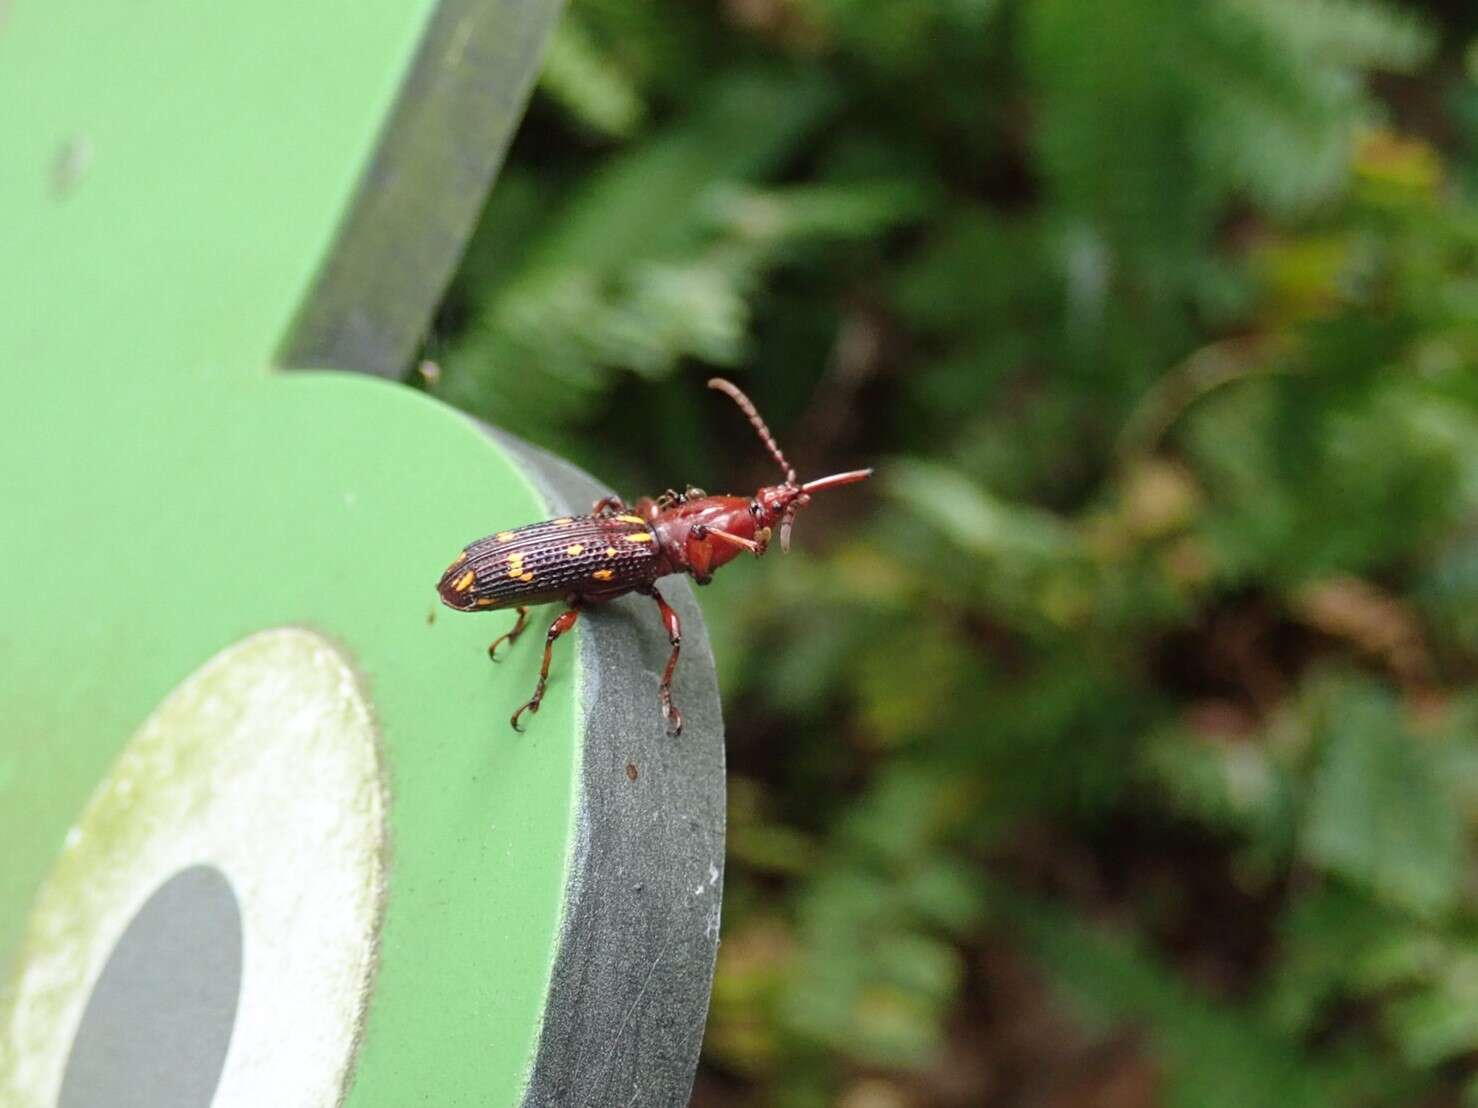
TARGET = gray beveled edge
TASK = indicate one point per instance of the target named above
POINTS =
(628, 999)
(405, 230)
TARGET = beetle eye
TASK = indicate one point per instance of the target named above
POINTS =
(754, 508)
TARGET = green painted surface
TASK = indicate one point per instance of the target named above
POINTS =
(276, 722)
(221, 146)
(166, 495)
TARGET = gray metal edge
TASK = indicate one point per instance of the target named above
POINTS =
(628, 998)
(404, 231)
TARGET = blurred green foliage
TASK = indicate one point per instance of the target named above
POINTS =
(1119, 744)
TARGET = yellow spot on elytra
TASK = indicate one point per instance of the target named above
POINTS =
(575, 549)
(462, 557)
(503, 536)
(640, 536)
(610, 552)
(485, 601)
(604, 574)
(527, 576)
(515, 565)
(631, 519)
(562, 521)
(464, 582)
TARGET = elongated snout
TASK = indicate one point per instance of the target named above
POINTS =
(836, 479)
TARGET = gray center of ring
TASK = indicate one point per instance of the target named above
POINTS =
(155, 1030)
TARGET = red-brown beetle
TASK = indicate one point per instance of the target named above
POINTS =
(615, 550)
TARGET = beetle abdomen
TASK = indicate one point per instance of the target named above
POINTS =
(558, 557)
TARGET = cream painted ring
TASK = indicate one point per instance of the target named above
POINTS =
(261, 769)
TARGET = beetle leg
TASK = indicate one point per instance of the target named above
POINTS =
(674, 629)
(734, 540)
(608, 506)
(511, 636)
(561, 624)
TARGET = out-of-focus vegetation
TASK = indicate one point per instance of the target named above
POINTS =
(1119, 744)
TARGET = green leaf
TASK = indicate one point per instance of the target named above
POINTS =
(1381, 814)
(589, 84)
(1215, 1055)
(854, 210)
(974, 519)
(1328, 938)
(1233, 785)
(1441, 1022)
(627, 275)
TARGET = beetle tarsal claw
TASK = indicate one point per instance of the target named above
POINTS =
(531, 706)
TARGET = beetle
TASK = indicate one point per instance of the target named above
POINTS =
(590, 559)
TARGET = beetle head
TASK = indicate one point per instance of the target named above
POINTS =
(780, 503)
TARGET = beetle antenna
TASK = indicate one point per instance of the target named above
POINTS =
(748, 409)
